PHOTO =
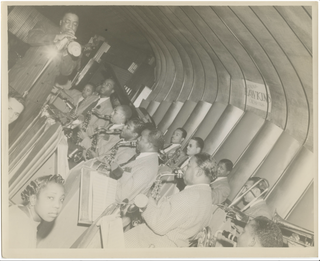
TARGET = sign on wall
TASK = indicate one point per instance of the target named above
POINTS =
(258, 96)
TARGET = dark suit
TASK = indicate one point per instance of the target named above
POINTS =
(25, 71)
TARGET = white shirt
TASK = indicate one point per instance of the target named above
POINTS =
(101, 100)
(185, 163)
(171, 147)
(190, 186)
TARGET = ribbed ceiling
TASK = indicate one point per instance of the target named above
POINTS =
(212, 53)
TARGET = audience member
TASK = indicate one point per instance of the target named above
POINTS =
(15, 106)
(43, 200)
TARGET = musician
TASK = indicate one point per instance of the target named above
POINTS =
(261, 232)
(130, 132)
(174, 220)
(220, 187)
(15, 106)
(194, 147)
(177, 138)
(81, 100)
(46, 42)
(120, 115)
(101, 109)
(137, 175)
(255, 205)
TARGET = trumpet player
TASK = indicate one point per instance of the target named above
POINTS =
(47, 43)
(173, 220)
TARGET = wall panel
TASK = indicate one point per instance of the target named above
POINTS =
(253, 157)
(223, 127)
(234, 146)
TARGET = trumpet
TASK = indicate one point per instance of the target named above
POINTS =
(294, 235)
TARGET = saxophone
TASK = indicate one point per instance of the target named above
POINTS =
(172, 162)
(108, 159)
(95, 138)
(156, 188)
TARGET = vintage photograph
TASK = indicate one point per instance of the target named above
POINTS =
(152, 130)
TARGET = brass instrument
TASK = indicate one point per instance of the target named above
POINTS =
(294, 235)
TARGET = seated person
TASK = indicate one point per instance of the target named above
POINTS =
(98, 113)
(177, 164)
(220, 187)
(261, 232)
(137, 175)
(81, 100)
(124, 149)
(177, 138)
(109, 136)
(247, 205)
(15, 106)
(43, 200)
(174, 220)
(76, 102)
(254, 202)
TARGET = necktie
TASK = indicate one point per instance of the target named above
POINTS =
(130, 160)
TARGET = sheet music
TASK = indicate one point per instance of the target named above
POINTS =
(103, 193)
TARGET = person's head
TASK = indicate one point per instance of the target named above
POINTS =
(261, 186)
(121, 114)
(195, 146)
(132, 130)
(107, 88)
(15, 107)
(87, 90)
(69, 22)
(261, 232)
(151, 140)
(178, 136)
(224, 167)
(201, 170)
(44, 197)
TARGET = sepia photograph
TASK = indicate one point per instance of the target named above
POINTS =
(159, 130)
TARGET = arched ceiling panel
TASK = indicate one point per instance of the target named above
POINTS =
(237, 94)
(175, 15)
(188, 16)
(297, 64)
(247, 19)
(184, 77)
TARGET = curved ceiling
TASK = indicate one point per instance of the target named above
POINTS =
(213, 54)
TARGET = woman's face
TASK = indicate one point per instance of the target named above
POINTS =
(49, 201)
(192, 170)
